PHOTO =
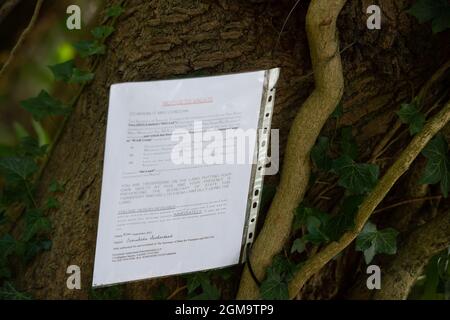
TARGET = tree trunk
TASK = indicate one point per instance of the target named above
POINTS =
(164, 39)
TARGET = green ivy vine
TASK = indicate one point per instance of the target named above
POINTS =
(21, 166)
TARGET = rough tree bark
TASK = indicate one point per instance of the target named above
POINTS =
(160, 39)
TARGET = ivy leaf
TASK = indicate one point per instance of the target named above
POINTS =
(438, 164)
(162, 293)
(409, 114)
(315, 227)
(314, 220)
(442, 22)
(44, 105)
(5, 273)
(30, 147)
(348, 144)
(299, 217)
(351, 204)
(17, 169)
(386, 241)
(80, 76)
(114, 11)
(372, 241)
(225, 273)
(338, 112)
(303, 212)
(196, 280)
(426, 10)
(274, 288)
(67, 72)
(55, 186)
(201, 280)
(6, 151)
(7, 246)
(8, 292)
(436, 11)
(319, 154)
(345, 220)
(110, 293)
(209, 292)
(102, 32)
(283, 267)
(89, 48)
(33, 248)
(358, 178)
(52, 203)
(431, 273)
(36, 223)
(369, 253)
(298, 245)
(63, 71)
(15, 191)
(3, 217)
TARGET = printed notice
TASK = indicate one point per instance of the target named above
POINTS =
(175, 183)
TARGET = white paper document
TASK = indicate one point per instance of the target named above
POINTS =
(172, 205)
